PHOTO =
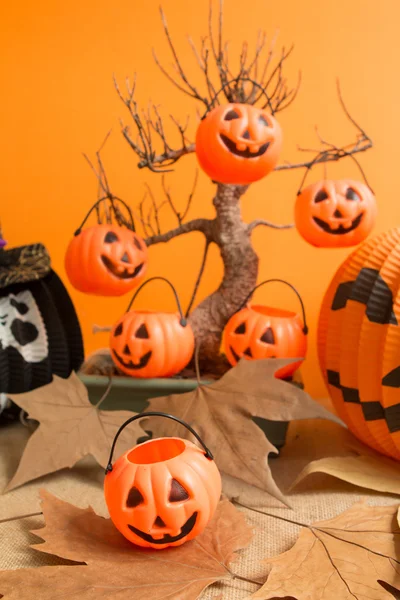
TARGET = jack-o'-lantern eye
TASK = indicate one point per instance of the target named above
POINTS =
(137, 243)
(241, 328)
(352, 195)
(321, 196)
(178, 492)
(263, 119)
(268, 336)
(118, 330)
(135, 498)
(231, 115)
(142, 333)
(110, 238)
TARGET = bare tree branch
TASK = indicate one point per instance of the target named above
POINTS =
(199, 278)
(333, 153)
(251, 226)
(203, 225)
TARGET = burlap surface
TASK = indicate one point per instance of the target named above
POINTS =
(319, 497)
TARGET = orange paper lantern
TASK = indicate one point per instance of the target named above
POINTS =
(359, 342)
(152, 344)
(257, 331)
(238, 143)
(163, 492)
(335, 213)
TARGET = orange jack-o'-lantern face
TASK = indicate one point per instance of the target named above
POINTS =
(335, 213)
(106, 260)
(263, 332)
(238, 143)
(162, 493)
(149, 344)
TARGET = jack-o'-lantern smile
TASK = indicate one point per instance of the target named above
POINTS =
(340, 229)
(248, 152)
(119, 271)
(129, 364)
(167, 538)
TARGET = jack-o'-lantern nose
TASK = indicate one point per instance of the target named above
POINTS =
(337, 214)
(159, 522)
(125, 258)
(246, 135)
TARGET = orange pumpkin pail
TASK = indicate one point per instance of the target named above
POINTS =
(149, 344)
(106, 259)
(257, 331)
(162, 492)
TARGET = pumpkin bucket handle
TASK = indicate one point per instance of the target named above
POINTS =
(323, 157)
(305, 327)
(112, 199)
(236, 80)
(155, 414)
(183, 321)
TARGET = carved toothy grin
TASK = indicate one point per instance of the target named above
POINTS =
(167, 538)
(243, 153)
(125, 273)
(131, 365)
(341, 230)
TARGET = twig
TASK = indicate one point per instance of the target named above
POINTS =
(199, 277)
(203, 225)
(259, 222)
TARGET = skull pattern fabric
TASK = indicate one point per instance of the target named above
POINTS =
(22, 327)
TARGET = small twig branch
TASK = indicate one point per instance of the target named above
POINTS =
(251, 226)
(333, 153)
(203, 225)
(155, 210)
(199, 277)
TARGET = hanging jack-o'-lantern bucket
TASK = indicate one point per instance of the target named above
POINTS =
(107, 259)
(256, 331)
(237, 142)
(147, 344)
(163, 492)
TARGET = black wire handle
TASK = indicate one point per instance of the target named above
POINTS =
(260, 87)
(112, 199)
(155, 414)
(183, 321)
(305, 328)
(318, 159)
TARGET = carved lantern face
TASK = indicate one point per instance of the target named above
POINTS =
(162, 492)
(151, 344)
(238, 143)
(106, 260)
(335, 213)
(263, 332)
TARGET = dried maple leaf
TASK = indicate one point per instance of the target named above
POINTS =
(222, 414)
(354, 556)
(70, 429)
(115, 568)
(374, 473)
(358, 465)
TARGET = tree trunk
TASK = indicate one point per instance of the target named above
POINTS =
(240, 261)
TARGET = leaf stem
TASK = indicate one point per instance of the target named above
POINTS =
(37, 514)
(262, 512)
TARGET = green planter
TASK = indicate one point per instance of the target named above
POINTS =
(133, 394)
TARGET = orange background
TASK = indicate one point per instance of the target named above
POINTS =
(58, 101)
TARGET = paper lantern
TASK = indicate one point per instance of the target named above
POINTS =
(335, 213)
(238, 143)
(152, 344)
(358, 342)
(40, 334)
(162, 492)
(257, 331)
